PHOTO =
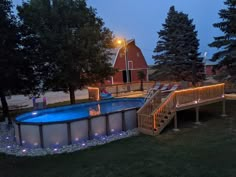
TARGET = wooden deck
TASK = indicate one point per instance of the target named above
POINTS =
(156, 113)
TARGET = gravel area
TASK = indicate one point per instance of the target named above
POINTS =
(8, 144)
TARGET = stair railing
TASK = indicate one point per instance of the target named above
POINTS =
(154, 111)
(164, 111)
(145, 119)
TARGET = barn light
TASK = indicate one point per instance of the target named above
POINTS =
(119, 41)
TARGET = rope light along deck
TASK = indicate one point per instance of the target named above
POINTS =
(94, 93)
(154, 116)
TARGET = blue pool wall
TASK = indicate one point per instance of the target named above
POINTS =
(56, 134)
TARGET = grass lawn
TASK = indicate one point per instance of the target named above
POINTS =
(208, 150)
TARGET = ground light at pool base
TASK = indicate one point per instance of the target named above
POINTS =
(57, 127)
(9, 146)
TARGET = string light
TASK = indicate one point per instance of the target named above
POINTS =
(96, 89)
(186, 92)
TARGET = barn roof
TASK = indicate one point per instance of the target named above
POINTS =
(115, 52)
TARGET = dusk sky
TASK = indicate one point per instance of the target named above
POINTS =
(142, 19)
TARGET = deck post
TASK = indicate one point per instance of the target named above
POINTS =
(223, 109)
(197, 116)
(175, 123)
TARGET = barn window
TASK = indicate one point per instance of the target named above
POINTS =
(138, 54)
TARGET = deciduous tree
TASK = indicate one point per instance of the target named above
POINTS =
(17, 69)
(74, 40)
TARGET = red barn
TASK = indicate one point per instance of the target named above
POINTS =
(135, 62)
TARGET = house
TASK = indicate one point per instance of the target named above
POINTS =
(135, 62)
(209, 70)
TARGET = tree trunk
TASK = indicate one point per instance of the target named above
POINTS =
(194, 73)
(5, 110)
(72, 94)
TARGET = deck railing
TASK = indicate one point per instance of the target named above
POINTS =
(122, 88)
(154, 117)
(199, 94)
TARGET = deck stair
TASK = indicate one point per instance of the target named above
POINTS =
(157, 113)
(149, 94)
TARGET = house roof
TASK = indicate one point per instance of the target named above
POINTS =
(115, 52)
(208, 62)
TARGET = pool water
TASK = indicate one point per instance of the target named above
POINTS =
(79, 111)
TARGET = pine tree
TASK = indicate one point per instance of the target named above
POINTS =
(226, 44)
(74, 42)
(176, 54)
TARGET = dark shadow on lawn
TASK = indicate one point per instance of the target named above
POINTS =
(187, 118)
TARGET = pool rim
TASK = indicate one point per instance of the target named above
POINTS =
(76, 119)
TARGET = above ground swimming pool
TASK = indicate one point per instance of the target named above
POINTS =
(71, 124)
